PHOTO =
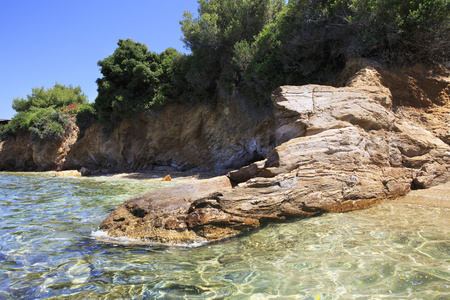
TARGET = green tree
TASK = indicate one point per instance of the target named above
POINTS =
(42, 113)
(214, 34)
(134, 79)
(311, 40)
(58, 96)
(304, 45)
(402, 32)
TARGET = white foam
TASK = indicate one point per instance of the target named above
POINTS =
(103, 236)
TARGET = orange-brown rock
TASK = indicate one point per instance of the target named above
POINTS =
(22, 154)
(160, 216)
(167, 178)
(16, 154)
(338, 149)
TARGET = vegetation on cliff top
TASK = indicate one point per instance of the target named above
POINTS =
(134, 79)
(250, 48)
(45, 114)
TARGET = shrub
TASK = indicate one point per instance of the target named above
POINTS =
(45, 114)
(48, 124)
(58, 96)
(401, 32)
(311, 40)
(85, 116)
(20, 124)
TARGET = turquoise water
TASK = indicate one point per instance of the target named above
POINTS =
(48, 250)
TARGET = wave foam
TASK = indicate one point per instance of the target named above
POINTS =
(103, 236)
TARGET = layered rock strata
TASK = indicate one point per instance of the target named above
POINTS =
(338, 149)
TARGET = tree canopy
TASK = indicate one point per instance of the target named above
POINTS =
(45, 113)
(218, 34)
(134, 79)
(57, 97)
(251, 47)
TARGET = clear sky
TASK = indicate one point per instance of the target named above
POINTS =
(48, 41)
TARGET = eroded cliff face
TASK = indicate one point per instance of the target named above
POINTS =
(16, 154)
(338, 149)
(180, 137)
(22, 154)
(231, 134)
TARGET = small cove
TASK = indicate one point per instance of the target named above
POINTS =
(397, 250)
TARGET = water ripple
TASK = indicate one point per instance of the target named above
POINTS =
(47, 251)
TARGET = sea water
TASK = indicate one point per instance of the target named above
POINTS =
(49, 249)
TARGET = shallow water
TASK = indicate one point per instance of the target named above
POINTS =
(47, 251)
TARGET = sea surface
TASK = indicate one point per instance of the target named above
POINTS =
(50, 249)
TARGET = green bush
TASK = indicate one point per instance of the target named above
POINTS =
(401, 32)
(86, 116)
(45, 114)
(58, 96)
(48, 124)
(20, 124)
(310, 41)
(134, 79)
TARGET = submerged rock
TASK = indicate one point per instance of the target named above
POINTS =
(339, 149)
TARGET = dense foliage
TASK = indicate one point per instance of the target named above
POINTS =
(219, 38)
(133, 79)
(401, 32)
(86, 115)
(251, 47)
(311, 40)
(246, 47)
(45, 114)
(58, 96)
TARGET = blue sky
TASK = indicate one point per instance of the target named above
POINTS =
(48, 41)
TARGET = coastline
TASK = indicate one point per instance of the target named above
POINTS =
(436, 196)
(153, 175)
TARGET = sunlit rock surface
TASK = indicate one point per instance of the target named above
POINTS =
(338, 149)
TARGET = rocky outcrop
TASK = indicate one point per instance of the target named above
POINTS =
(159, 215)
(181, 136)
(22, 154)
(16, 154)
(318, 149)
(338, 149)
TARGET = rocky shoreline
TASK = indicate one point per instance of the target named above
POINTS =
(318, 149)
(339, 149)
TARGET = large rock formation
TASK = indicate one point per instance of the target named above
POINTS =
(181, 136)
(377, 135)
(338, 149)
